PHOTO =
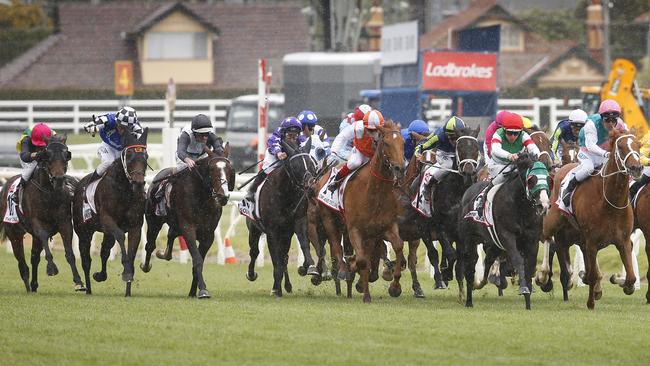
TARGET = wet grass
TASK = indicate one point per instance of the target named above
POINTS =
(242, 324)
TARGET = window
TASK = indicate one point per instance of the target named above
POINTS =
(177, 46)
(243, 117)
(512, 38)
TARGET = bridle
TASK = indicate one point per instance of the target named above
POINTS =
(620, 166)
(45, 165)
(461, 162)
(221, 162)
(137, 149)
(542, 153)
(385, 162)
(300, 182)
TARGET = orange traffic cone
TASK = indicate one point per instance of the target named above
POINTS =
(230, 253)
(184, 252)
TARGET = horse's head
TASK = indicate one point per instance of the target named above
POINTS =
(134, 159)
(221, 175)
(391, 146)
(543, 144)
(625, 152)
(54, 160)
(467, 150)
(536, 178)
(299, 164)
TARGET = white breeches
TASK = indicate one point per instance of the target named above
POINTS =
(356, 159)
(588, 163)
(497, 170)
(28, 169)
(107, 155)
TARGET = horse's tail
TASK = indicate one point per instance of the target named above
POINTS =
(3, 233)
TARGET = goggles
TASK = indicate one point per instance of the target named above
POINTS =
(513, 132)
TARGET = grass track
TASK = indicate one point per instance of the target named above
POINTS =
(242, 324)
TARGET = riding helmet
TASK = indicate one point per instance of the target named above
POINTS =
(201, 124)
(126, 116)
(307, 118)
(40, 134)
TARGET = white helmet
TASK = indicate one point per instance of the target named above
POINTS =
(578, 117)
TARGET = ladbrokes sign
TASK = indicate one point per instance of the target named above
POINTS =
(466, 71)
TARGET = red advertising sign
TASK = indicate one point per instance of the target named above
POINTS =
(465, 71)
(123, 78)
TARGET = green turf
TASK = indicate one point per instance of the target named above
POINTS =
(242, 324)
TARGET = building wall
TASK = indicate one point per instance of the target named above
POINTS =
(197, 71)
(571, 73)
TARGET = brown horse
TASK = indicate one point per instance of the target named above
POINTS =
(196, 202)
(46, 211)
(370, 216)
(543, 143)
(120, 200)
(601, 212)
(642, 221)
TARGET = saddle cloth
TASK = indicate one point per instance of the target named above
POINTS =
(89, 208)
(486, 217)
(333, 200)
(11, 214)
(251, 209)
(563, 185)
(164, 190)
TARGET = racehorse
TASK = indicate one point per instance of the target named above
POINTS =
(195, 205)
(282, 201)
(46, 210)
(601, 212)
(370, 215)
(119, 201)
(517, 210)
(642, 221)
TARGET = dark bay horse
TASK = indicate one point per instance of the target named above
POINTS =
(517, 209)
(370, 216)
(282, 202)
(602, 213)
(195, 204)
(120, 201)
(46, 211)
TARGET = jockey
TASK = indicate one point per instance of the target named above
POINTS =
(411, 138)
(194, 139)
(492, 128)
(645, 161)
(343, 143)
(111, 127)
(444, 141)
(30, 146)
(365, 142)
(507, 143)
(592, 138)
(308, 120)
(567, 130)
(289, 130)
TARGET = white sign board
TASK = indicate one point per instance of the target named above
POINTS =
(399, 44)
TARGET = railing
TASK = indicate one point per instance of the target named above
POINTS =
(73, 114)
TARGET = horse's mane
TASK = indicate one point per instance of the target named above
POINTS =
(58, 139)
(391, 125)
(533, 128)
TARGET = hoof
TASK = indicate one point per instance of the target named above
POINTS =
(276, 293)
(469, 304)
(524, 290)
(161, 255)
(366, 299)
(628, 290)
(387, 274)
(374, 276)
(345, 276)
(599, 294)
(316, 280)
(146, 268)
(547, 287)
(312, 271)
(394, 291)
(326, 276)
(204, 294)
(33, 287)
(127, 277)
(52, 270)
(79, 287)
(613, 279)
(99, 276)
(359, 287)
(251, 277)
(288, 288)
(440, 286)
(417, 292)
(302, 271)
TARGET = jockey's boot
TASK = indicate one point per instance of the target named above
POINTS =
(566, 198)
(479, 206)
(19, 187)
(250, 194)
(415, 185)
(340, 175)
(94, 177)
(634, 189)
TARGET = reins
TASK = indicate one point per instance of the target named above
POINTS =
(619, 161)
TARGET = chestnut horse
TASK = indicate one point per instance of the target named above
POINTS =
(195, 205)
(119, 200)
(371, 211)
(601, 212)
(46, 211)
(642, 221)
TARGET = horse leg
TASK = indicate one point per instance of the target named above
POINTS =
(278, 259)
(307, 267)
(565, 269)
(189, 234)
(107, 245)
(172, 234)
(647, 253)
(625, 251)
(412, 264)
(470, 256)
(286, 245)
(491, 256)
(449, 253)
(65, 230)
(253, 242)
(204, 246)
(509, 242)
(432, 254)
(530, 261)
(591, 267)
(84, 253)
(395, 289)
(135, 232)
(37, 248)
(43, 236)
(19, 253)
(543, 275)
(153, 228)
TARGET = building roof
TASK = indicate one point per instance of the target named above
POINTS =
(92, 37)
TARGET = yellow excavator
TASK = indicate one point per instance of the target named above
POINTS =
(622, 87)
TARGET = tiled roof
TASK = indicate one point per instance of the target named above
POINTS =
(94, 36)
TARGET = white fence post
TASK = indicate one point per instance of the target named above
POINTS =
(75, 118)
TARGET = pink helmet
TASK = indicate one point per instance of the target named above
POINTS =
(40, 134)
(501, 116)
(609, 106)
